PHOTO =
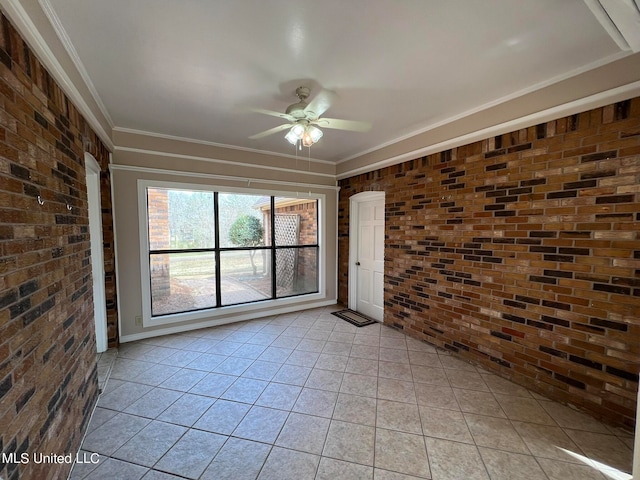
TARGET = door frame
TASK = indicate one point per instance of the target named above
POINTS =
(97, 257)
(354, 210)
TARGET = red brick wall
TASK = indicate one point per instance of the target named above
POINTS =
(522, 253)
(48, 377)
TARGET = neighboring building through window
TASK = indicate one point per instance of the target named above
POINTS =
(209, 249)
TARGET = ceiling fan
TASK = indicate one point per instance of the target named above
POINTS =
(304, 119)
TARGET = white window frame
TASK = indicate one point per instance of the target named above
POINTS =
(220, 312)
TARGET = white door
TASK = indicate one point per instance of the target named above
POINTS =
(97, 262)
(366, 269)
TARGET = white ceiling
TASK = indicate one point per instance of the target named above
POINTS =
(194, 68)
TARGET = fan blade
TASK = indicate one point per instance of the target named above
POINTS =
(274, 114)
(271, 131)
(352, 125)
(320, 104)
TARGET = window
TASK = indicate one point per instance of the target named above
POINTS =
(207, 249)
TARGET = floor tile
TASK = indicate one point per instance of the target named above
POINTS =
(341, 337)
(222, 417)
(262, 338)
(150, 444)
(186, 410)
(183, 380)
(606, 449)
(245, 390)
(261, 424)
(370, 352)
(292, 375)
(156, 374)
(306, 395)
(495, 433)
(249, 351)
(328, 361)
(213, 384)
(180, 359)
(123, 396)
(567, 417)
(237, 460)
(547, 441)
(403, 417)
(394, 342)
(509, 466)
(370, 340)
(294, 331)
(398, 390)
(93, 461)
(202, 345)
(557, 470)
(302, 358)
(324, 380)
(481, 403)
(305, 433)
(393, 355)
(500, 385)
(283, 464)
(191, 454)
(153, 403)
(99, 417)
(379, 474)
(362, 366)
(114, 433)
(279, 395)
(331, 469)
(355, 409)
(466, 380)
(420, 346)
(350, 442)
(157, 475)
(275, 354)
(449, 361)
(286, 342)
(364, 385)
(401, 452)
(432, 376)
(424, 359)
(445, 424)
(337, 348)
(398, 371)
(316, 333)
(233, 366)
(316, 402)
(113, 468)
(524, 410)
(261, 370)
(224, 347)
(206, 362)
(455, 461)
(437, 396)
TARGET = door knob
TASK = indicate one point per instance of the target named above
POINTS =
(358, 264)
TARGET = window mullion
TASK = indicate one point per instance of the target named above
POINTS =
(216, 226)
(274, 288)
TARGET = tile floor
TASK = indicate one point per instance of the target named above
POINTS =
(309, 396)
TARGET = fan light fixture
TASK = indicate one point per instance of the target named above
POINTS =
(307, 134)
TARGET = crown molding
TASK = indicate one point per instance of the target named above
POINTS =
(211, 176)
(218, 145)
(593, 101)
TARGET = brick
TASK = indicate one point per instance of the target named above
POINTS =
(561, 218)
(41, 264)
